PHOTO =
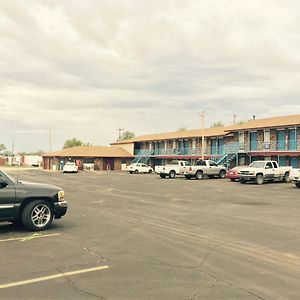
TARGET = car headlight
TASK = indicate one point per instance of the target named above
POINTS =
(61, 196)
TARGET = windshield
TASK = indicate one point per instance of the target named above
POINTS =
(257, 164)
(8, 176)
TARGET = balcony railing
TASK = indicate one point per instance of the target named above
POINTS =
(229, 148)
(289, 145)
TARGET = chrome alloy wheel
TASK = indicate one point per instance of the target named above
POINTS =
(40, 215)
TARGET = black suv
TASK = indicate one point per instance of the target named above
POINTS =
(31, 204)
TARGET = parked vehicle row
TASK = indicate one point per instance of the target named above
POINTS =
(258, 171)
(199, 170)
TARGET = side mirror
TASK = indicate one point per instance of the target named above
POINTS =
(3, 183)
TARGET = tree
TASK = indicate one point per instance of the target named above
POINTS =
(2, 147)
(74, 142)
(217, 124)
(127, 135)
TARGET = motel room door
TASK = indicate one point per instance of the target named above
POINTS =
(281, 140)
(253, 141)
(108, 164)
(292, 140)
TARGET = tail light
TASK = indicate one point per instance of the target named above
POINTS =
(190, 168)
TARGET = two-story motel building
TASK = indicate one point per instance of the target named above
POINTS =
(276, 138)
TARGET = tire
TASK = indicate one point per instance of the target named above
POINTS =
(136, 171)
(297, 185)
(162, 175)
(130, 172)
(172, 174)
(199, 175)
(37, 215)
(232, 179)
(242, 181)
(286, 177)
(222, 174)
(150, 171)
(259, 179)
(188, 177)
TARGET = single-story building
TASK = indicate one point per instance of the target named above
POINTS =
(2, 161)
(88, 157)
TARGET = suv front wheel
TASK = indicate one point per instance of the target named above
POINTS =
(37, 215)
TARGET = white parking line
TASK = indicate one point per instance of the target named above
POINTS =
(45, 278)
(29, 237)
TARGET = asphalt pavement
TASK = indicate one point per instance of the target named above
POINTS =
(142, 237)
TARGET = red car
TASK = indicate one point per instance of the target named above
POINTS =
(232, 174)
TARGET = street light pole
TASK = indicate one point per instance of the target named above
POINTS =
(202, 125)
(50, 140)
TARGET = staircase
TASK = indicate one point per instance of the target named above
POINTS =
(226, 159)
(141, 159)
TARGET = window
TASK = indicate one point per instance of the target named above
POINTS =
(212, 164)
(193, 144)
(269, 165)
(266, 136)
(274, 165)
(200, 163)
(241, 137)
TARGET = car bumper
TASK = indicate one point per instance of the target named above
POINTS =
(295, 179)
(229, 176)
(247, 177)
(60, 209)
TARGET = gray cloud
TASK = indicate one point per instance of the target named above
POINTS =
(85, 68)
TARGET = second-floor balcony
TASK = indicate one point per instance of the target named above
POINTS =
(228, 148)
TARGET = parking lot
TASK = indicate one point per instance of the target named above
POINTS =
(142, 237)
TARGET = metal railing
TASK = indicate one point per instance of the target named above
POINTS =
(228, 148)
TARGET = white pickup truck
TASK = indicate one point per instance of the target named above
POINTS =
(295, 177)
(264, 170)
(205, 167)
(176, 167)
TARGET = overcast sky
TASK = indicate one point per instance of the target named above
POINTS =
(85, 68)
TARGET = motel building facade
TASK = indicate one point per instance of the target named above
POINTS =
(276, 138)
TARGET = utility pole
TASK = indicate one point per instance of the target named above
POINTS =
(12, 151)
(13, 147)
(120, 133)
(50, 140)
(202, 125)
(234, 119)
